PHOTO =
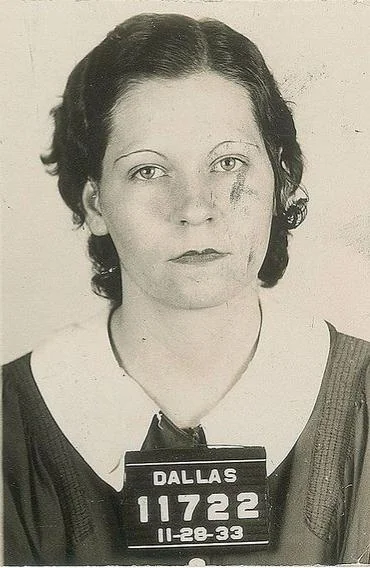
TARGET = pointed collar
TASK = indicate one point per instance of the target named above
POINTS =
(103, 412)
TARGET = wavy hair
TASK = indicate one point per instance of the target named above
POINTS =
(169, 46)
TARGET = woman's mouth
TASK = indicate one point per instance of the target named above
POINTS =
(199, 257)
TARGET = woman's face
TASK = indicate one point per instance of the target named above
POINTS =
(186, 191)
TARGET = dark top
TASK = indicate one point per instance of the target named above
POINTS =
(58, 511)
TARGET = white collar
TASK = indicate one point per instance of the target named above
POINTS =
(104, 413)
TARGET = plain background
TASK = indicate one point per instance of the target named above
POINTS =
(319, 53)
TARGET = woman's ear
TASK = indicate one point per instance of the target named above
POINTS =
(91, 202)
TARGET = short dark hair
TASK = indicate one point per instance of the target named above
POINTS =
(167, 46)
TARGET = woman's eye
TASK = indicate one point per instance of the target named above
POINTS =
(228, 164)
(148, 172)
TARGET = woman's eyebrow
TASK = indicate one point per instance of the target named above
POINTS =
(138, 152)
(225, 142)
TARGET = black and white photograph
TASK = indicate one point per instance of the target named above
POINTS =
(185, 283)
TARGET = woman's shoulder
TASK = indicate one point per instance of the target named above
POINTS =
(61, 347)
(346, 381)
(349, 355)
(347, 339)
(75, 346)
(345, 399)
(18, 386)
(15, 371)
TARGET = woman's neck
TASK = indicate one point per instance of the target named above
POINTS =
(179, 353)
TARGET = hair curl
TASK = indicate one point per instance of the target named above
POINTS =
(168, 46)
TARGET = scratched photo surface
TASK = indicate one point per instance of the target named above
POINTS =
(318, 53)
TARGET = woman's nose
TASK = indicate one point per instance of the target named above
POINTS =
(195, 205)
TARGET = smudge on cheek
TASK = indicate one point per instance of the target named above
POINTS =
(239, 188)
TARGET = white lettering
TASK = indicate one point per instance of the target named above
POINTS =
(185, 480)
(163, 506)
(159, 478)
(248, 501)
(192, 501)
(230, 475)
(217, 510)
(214, 476)
(173, 478)
(199, 478)
(183, 477)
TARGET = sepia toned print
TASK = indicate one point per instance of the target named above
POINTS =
(204, 416)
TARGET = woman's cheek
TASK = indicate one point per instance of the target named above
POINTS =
(249, 188)
(238, 188)
(160, 203)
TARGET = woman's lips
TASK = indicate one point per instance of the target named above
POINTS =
(199, 257)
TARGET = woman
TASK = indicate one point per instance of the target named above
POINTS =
(175, 147)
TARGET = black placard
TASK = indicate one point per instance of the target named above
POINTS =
(197, 497)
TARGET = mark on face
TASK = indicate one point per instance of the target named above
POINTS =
(238, 188)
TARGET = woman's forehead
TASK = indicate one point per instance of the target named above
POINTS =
(202, 108)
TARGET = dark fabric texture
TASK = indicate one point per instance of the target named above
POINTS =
(334, 438)
(59, 512)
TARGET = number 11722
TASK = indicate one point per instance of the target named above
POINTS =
(217, 506)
